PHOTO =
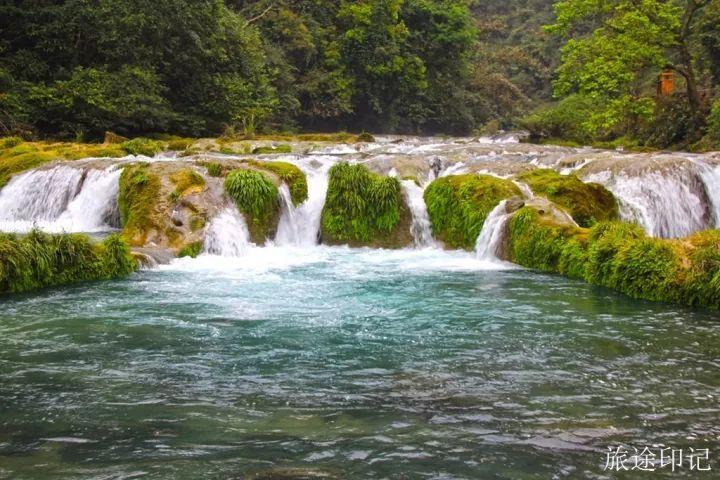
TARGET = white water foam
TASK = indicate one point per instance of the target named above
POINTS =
(227, 235)
(61, 199)
(490, 241)
(420, 229)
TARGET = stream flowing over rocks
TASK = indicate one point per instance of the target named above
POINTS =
(670, 195)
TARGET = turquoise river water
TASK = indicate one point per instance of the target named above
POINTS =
(340, 363)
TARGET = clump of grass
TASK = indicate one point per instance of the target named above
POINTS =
(143, 146)
(587, 203)
(272, 150)
(214, 169)
(620, 256)
(365, 137)
(459, 204)
(256, 196)
(191, 250)
(139, 194)
(39, 260)
(290, 174)
(361, 208)
(187, 181)
(176, 144)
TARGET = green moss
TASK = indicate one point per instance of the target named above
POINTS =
(191, 250)
(139, 194)
(187, 181)
(459, 204)
(10, 142)
(588, 203)
(39, 260)
(10, 166)
(365, 137)
(291, 175)
(363, 208)
(197, 222)
(179, 144)
(257, 198)
(620, 256)
(143, 146)
(271, 150)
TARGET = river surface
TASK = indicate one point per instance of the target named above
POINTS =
(348, 364)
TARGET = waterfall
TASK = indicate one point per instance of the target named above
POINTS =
(420, 228)
(710, 175)
(667, 204)
(524, 189)
(489, 242)
(301, 225)
(61, 199)
(227, 235)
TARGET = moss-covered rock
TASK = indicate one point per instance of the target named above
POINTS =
(187, 181)
(256, 196)
(191, 250)
(459, 204)
(39, 260)
(364, 208)
(620, 256)
(588, 203)
(269, 150)
(290, 174)
(137, 200)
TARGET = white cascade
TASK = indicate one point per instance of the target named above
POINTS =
(420, 229)
(300, 225)
(96, 206)
(668, 204)
(524, 189)
(489, 242)
(710, 175)
(61, 199)
(227, 235)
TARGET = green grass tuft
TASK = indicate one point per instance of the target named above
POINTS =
(39, 260)
(143, 146)
(362, 208)
(191, 250)
(459, 204)
(272, 150)
(291, 175)
(257, 198)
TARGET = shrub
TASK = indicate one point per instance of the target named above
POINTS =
(139, 194)
(459, 204)
(567, 120)
(362, 208)
(10, 142)
(143, 146)
(39, 260)
(256, 197)
(587, 203)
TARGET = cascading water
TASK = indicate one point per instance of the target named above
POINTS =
(61, 199)
(667, 204)
(710, 175)
(420, 228)
(227, 235)
(490, 240)
(300, 225)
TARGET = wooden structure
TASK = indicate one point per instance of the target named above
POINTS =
(666, 83)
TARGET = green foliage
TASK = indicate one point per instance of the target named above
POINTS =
(291, 175)
(620, 256)
(214, 169)
(272, 150)
(10, 142)
(362, 208)
(143, 146)
(191, 250)
(39, 260)
(257, 198)
(137, 200)
(459, 204)
(712, 137)
(588, 203)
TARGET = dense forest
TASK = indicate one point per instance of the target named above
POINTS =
(576, 71)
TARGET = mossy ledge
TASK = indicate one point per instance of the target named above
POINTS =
(620, 256)
(363, 208)
(288, 173)
(587, 203)
(139, 195)
(459, 204)
(256, 196)
(38, 260)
